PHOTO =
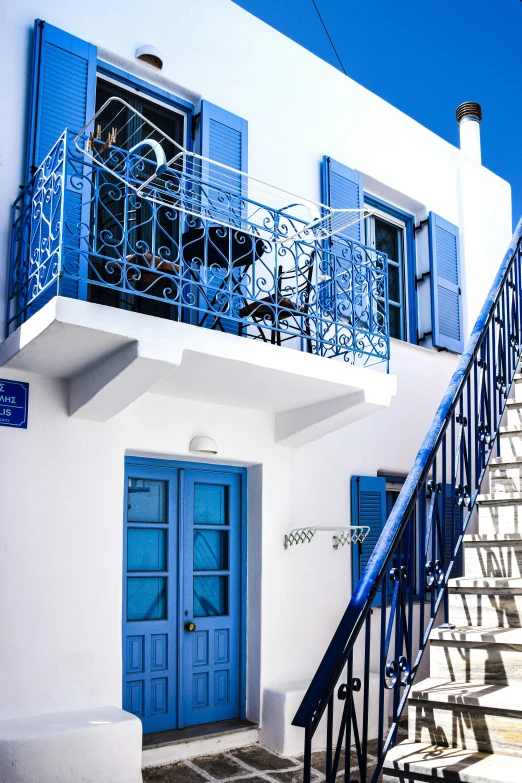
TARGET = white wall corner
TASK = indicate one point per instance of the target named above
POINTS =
(300, 426)
(108, 387)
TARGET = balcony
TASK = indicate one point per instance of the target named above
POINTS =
(122, 282)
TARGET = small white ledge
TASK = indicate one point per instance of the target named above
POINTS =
(280, 703)
(111, 357)
(92, 746)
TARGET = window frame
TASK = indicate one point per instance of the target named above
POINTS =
(150, 92)
(398, 217)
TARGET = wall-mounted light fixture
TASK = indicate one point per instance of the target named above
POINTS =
(203, 444)
(149, 54)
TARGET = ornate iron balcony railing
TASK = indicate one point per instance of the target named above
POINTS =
(82, 229)
(419, 548)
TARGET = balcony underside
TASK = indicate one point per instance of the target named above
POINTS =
(111, 357)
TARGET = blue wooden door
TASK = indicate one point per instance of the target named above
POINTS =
(182, 539)
(150, 597)
(210, 597)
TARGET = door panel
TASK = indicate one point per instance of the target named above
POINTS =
(150, 597)
(210, 599)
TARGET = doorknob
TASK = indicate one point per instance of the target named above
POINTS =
(190, 626)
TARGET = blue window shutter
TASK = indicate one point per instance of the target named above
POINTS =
(446, 295)
(452, 519)
(368, 508)
(63, 95)
(343, 189)
(224, 138)
(62, 91)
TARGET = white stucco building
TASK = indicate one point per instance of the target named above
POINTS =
(116, 537)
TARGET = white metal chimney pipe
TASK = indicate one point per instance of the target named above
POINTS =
(469, 116)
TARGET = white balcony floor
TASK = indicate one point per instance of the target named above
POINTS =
(111, 357)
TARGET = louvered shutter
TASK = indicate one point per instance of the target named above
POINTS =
(343, 189)
(63, 88)
(446, 295)
(63, 92)
(368, 508)
(224, 138)
(452, 520)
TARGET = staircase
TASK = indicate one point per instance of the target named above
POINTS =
(465, 721)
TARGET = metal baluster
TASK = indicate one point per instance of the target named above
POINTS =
(307, 763)
(349, 696)
(366, 693)
(329, 738)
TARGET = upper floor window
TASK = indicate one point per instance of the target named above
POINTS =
(170, 122)
(387, 234)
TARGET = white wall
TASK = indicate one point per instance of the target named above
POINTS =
(61, 486)
(61, 481)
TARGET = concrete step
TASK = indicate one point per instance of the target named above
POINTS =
(481, 655)
(510, 442)
(500, 513)
(514, 412)
(505, 475)
(516, 389)
(413, 762)
(493, 556)
(473, 716)
(485, 602)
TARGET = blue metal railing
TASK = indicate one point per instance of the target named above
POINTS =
(205, 256)
(419, 549)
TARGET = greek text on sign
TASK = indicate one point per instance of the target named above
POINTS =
(14, 403)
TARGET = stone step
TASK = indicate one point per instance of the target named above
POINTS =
(510, 442)
(500, 513)
(413, 762)
(493, 555)
(505, 475)
(482, 717)
(514, 411)
(517, 388)
(485, 602)
(481, 655)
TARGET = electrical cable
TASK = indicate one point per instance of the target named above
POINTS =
(328, 34)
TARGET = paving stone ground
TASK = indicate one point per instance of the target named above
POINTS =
(253, 764)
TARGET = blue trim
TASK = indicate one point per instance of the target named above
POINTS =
(411, 261)
(151, 462)
(186, 465)
(33, 99)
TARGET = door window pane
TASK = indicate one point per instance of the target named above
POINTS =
(147, 501)
(146, 549)
(210, 596)
(209, 504)
(146, 598)
(387, 239)
(394, 285)
(210, 550)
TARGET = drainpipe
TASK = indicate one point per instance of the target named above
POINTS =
(469, 116)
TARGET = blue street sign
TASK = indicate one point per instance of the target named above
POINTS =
(14, 403)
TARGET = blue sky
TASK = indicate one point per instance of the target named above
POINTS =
(425, 59)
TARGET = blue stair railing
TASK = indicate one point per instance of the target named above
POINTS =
(418, 551)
